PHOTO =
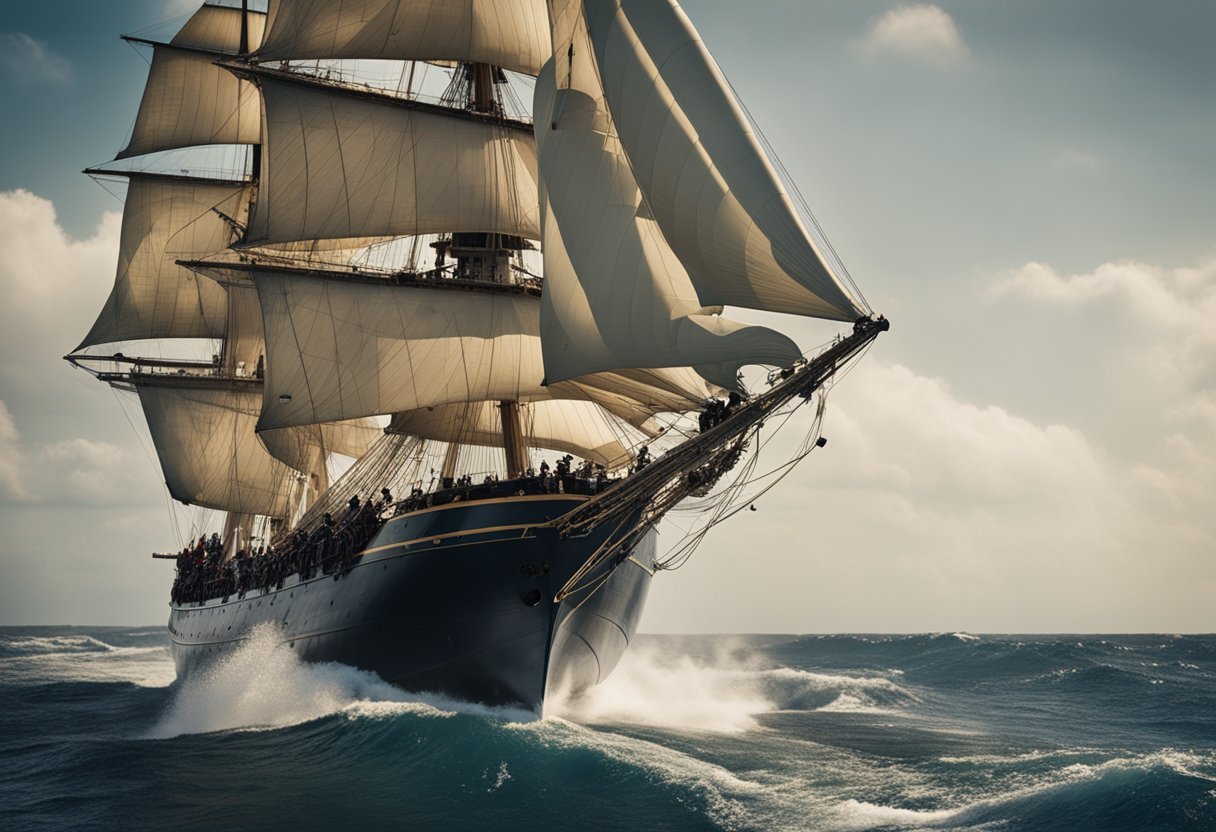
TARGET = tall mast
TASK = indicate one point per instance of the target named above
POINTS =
(481, 93)
(513, 438)
(448, 472)
(486, 256)
(255, 155)
(243, 49)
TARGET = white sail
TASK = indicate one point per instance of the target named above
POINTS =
(662, 390)
(167, 219)
(581, 428)
(190, 101)
(299, 447)
(705, 178)
(339, 165)
(615, 293)
(218, 29)
(306, 449)
(339, 349)
(512, 34)
(203, 431)
(244, 342)
(342, 350)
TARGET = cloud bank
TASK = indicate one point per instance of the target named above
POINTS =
(929, 511)
(53, 285)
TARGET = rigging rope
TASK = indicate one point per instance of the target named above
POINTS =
(697, 465)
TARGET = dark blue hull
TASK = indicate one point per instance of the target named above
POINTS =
(456, 599)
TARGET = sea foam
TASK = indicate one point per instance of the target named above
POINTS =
(263, 684)
(719, 693)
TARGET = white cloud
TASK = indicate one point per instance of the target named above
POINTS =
(1157, 315)
(76, 471)
(1169, 298)
(53, 286)
(929, 512)
(918, 32)
(1081, 502)
(30, 61)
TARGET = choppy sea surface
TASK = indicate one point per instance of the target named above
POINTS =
(948, 731)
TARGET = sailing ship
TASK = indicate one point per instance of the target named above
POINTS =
(510, 230)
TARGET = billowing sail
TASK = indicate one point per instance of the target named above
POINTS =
(167, 219)
(706, 181)
(203, 431)
(513, 34)
(218, 29)
(344, 349)
(190, 101)
(340, 165)
(576, 427)
(667, 389)
(615, 295)
(301, 447)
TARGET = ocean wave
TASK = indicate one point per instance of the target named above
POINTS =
(54, 644)
(1125, 792)
(651, 687)
(264, 685)
(719, 793)
(31, 660)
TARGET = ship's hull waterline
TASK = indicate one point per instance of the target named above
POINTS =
(456, 600)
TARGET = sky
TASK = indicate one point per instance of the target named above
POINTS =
(1027, 190)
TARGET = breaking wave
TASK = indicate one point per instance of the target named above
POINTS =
(719, 693)
(821, 733)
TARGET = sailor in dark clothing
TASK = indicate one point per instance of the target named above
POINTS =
(731, 404)
(643, 457)
(322, 540)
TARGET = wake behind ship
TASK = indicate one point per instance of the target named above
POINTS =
(393, 228)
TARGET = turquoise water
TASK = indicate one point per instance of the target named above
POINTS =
(707, 732)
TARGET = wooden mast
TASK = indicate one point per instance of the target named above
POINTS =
(482, 100)
(513, 438)
(244, 47)
(448, 472)
(255, 163)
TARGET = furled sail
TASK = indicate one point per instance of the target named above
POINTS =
(338, 164)
(512, 34)
(615, 294)
(188, 100)
(203, 431)
(576, 427)
(343, 349)
(706, 181)
(167, 219)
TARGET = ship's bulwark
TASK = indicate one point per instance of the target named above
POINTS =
(455, 600)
